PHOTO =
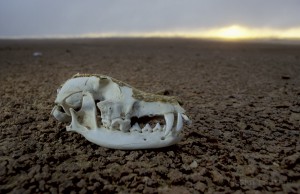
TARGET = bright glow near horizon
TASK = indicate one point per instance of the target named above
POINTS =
(233, 32)
(236, 32)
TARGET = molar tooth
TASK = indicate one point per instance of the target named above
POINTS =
(179, 123)
(169, 117)
(157, 127)
(147, 128)
(136, 127)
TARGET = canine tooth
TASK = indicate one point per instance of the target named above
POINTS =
(186, 119)
(75, 126)
(74, 122)
(89, 110)
(147, 128)
(179, 122)
(169, 117)
(157, 127)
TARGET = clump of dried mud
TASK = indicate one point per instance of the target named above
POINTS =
(243, 98)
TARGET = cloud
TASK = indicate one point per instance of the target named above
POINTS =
(77, 17)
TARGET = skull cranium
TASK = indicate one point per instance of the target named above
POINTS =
(113, 114)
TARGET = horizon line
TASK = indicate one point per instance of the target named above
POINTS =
(228, 33)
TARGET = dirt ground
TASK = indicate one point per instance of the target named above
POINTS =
(243, 99)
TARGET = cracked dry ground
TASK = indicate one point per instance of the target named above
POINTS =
(243, 98)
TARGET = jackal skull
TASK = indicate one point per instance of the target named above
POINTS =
(113, 114)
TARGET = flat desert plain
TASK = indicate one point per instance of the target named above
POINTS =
(243, 99)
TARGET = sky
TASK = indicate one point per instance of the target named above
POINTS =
(187, 18)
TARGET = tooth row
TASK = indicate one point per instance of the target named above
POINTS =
(169, 118)
(147, 127)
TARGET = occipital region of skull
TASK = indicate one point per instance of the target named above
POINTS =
(113, 114)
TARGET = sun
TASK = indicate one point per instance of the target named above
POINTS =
(232, 32)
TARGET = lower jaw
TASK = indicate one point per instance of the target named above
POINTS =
(129, 141)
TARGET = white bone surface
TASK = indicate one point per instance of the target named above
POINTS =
(113, 114)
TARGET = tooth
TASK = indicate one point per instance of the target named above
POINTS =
(179, 122)
(125, 125)
(169, 122)
(136, 127)
(75, 126)
(74, 122)
(147, 128)
(186, 119)
(157, 127)
(89, 111)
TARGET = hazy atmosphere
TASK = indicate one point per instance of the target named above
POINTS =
(152, 97)
(219, 18)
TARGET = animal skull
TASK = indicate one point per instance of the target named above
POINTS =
(113, 114)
